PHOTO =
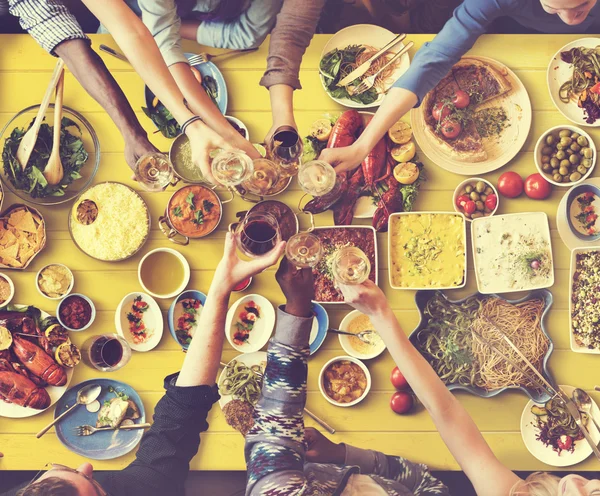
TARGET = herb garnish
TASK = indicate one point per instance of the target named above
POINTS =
(208, 206)
(190, 200)
(177, 212)
(198, 218)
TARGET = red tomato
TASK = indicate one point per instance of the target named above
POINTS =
(461, 200)
(398, 380)
(491, 201)
(469, 207)
(440, 111)
(537, 187)
(595, 88)
(461, 99)
(401, 402)
(510, 184)
(451, 128)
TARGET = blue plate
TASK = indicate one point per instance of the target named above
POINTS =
(102, 445)
(190, 293)
(423, 296)
(575, 192)
(322, 321)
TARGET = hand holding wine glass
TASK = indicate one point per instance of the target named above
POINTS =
(203, 141)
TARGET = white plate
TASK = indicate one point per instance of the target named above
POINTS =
(263, 327)
(10, 410)
(365, 207)
(546, 454)
(558, 72)
(365, 34)
(248, 359)
(345, 340)
(497, 286)
(153, 319)
(500, 150)
(567, 236)
(574, 345)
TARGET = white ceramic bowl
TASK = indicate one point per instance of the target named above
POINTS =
(152, 318)
(186, 273)
(345, 340)
(92, 317)
(537, 154)
(463, 185)
(12, 289)
(350, 359)
(263, 327)
(69, 289)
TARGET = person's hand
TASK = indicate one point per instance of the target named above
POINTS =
(237, 141)
(203, 141)
(297, 286)
(232, 270)
(320, 449)
(136, 147)
(367, 297)
(343, 159)
(277, 123)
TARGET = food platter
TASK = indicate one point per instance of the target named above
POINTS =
(364, 34)
(175, 313)
(248, 359)
(562, 223)
(546, 454)
(250, 322)
(150, 316)
(10, 410)
(558, 72)
(583, 290)
(500, 150)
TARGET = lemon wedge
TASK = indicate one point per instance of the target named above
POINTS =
(404, 153)
(67, 355)
(321, 129)
(6, 338)
(261, 149)
(406, 172)
(400, 133)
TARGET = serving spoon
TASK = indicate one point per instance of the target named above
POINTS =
(54, 171)
(584, 404)
(85, 396)
(364, 336)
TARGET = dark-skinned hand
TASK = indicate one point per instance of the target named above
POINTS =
(297, 286)
(322, 450)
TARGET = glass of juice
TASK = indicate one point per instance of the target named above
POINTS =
(106, 352)
(164, 272)
(258, 234)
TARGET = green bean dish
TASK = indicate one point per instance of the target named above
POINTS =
(242, 382)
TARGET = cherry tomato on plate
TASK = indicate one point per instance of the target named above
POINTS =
(470, 207)
(510, 184)
(398, 380)
(440, 111)
(451, 128)
(537, 187)
(491, 201)
(401, 402)
(461, 99)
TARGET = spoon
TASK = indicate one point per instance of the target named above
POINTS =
(85, 396)
(584, 404)
(364, 336)
(54, 171)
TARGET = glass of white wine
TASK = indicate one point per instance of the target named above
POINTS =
(231, 167)
(264, 177)
(317, 177)
(304, 250)
(351, 266)
(154, 171)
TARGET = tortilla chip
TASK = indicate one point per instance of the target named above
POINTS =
(11, 262)
(26, 223)
(16, 216)
(26, 255)
(7, 238)
(10, 251)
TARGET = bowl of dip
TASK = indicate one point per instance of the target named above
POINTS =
(7, 290)
(54, 281)
(583, 209)
(76, 312)
(193, 212)
(164, 273)
(356, 322)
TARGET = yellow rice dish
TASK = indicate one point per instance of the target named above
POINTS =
(427, 251)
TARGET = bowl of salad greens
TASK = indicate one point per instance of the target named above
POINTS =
(79, 154)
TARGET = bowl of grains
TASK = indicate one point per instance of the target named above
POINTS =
(109, 222)
(7, 290)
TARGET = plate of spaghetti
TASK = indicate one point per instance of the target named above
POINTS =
(348, 49)
(464, 342)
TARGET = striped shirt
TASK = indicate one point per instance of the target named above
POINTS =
(49, 22)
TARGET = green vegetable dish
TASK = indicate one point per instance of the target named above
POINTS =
(73, 156)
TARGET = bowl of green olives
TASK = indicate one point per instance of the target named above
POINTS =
(474, 198)
(565, 155)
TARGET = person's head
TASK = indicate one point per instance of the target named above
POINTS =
(64, 481)
(543, 484)
(572, 12)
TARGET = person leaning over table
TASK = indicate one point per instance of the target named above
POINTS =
(284, 459)
(162, 460)
(56, 30)
(435, 59)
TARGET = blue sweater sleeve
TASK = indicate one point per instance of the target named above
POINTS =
(435, 59)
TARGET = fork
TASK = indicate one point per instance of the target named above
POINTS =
(88, 430)
(203, 57)
(367, 83)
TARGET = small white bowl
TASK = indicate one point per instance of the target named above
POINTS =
(92, 317)
(186, 273)
(463, 185)
(263, 328)
(153, 319)
(69, 289)
(240, 124)
(353, 360)
(345, 340)
(537, 154)
(12, 288)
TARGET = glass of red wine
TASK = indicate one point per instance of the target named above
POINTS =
(258, 234)
(106, 352)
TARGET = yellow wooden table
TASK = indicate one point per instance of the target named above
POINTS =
(24, 72)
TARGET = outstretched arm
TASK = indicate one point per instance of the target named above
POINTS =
(459, 432)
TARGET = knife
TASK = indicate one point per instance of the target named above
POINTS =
(114, 53)
(574, 412)
(364, 67)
